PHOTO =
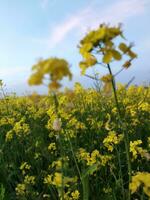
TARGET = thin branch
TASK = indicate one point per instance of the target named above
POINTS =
(92, 77)
(119, 72)
(130, 81)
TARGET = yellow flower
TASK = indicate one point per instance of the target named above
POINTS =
(55, 68)
(29, 180)
(136, 150)
(141, 178)
(48, 180)
(52, 146)
(75, 195)
(20, 189)
(21, 128)
(25, 167)
(111, 140)
(57, 180)
(9, 135)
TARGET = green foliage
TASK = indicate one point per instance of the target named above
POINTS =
(30, 161)
(2, 192)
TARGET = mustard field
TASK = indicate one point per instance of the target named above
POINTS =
(79, 144)
(82, 150)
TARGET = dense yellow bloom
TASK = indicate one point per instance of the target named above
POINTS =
(101, 40)
(52, 146)
(21, 128)
(56, 69)
(141, 178)
(29, 179)
(111, 140)
(9, 135)
(57, 164)
(25, 167)
(144, 106)
(105, 159)
(75, 195)
(20, 189)
(83, 155)
(136, 150)
(58, 179)
(93, 158)
(48, 179)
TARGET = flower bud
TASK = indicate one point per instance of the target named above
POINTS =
(57, 124)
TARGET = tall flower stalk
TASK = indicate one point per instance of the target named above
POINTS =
(50, 72)
(98, 48)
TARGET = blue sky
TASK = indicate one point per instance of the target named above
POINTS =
(31, 29)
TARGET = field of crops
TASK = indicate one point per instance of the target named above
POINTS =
(79, 144)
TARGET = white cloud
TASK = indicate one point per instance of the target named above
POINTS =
(44, 3)
(118, 12)
(92, 16)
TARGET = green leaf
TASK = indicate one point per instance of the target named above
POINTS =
(90, 170)
(2, 192)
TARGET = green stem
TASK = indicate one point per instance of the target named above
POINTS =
(56, 103)
(75, 159)
(85, 184)
(126, 137)
(120, 173)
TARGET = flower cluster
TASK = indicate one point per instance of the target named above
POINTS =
(101, 41)
(56, 69)
(141, 179)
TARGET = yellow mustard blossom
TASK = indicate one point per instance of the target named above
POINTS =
(29, 179)
(48, 179)
(83, 155)
(75, 195)
(25, 167)
(57, 178)
(9, 135)
(57, 164)
(105, 159)
(37, 155)
(20, 189)
(144, 106)
(56, 69)
(111, 140)
(93, 158)
(141, 179)
(21, 128)
(101, 40)
(107, 190)
(52, 146)
(136, 150)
